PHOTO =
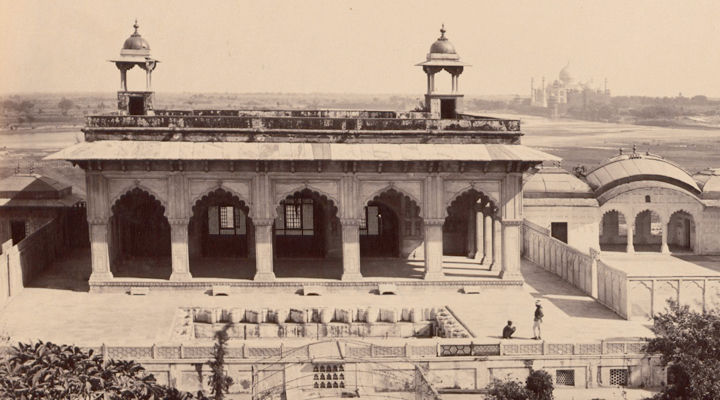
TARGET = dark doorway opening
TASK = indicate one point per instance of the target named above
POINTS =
(306, 226)
(447, 109)
(136, 106)
(559, 230)
(17, 231)
(379, 231)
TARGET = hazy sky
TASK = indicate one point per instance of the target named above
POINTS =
(656, 48)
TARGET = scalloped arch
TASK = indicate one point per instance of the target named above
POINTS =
(388, 188)
(299, 188)
(145, 189)
(205, 193)
(462, 191)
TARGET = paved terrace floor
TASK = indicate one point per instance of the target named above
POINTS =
(58, 307)
(662, 265)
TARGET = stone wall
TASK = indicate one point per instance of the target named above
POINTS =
(612, 289)
(582, 217)
(386, 366)
(20, 263)
(648, 296)
(572, 265)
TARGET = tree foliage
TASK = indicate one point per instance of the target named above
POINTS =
(508, 389)
(65, 105)
(45, 370)
(539, 385)
(219, 381)
(689, 343)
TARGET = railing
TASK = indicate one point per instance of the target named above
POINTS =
(292, 123)
(356, 350)
(613, 289)
(572, 265)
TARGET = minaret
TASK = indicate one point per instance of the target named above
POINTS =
(532, 91)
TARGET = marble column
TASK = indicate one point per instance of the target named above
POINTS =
(630, 246)
(498, 239)
(351, 250)
(488, 235)
(479, 235)
(100, 256)
(179, 250)
(511, 263)
(664, 249)
(264, 250)
(433, 249)
(470, 236)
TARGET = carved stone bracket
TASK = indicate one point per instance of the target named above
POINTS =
(178, 221)
(434, 221)
(263, 221)
(350, 221)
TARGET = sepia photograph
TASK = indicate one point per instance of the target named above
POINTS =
(412, 200)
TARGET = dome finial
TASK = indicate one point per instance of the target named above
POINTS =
(442, 32)
(136, 26)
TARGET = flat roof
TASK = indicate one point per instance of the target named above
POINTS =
(157, 150)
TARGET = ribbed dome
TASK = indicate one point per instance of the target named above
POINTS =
(135, 41)
(442, 45)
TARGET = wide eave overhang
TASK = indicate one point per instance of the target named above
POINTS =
(253, 151)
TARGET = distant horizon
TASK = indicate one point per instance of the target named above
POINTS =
(420, 95)
(644, 48)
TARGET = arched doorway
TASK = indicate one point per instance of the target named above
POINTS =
(391, 226)
(613, 231)
(647, 235)
(469, 228)
(307, 226)
(220, 235)
(681, 232)
(140, 237)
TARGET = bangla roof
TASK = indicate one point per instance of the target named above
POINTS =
(635, 167)
(157, 150)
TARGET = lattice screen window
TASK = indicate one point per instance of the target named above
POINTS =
(619, 376)
(328, 376)
(565, 377)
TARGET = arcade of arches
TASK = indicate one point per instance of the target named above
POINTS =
(222, 240)
(650, 230)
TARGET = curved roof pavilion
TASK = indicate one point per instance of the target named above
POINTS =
(627, 168)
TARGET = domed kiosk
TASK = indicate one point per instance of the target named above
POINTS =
(135, 51)
(442, 56)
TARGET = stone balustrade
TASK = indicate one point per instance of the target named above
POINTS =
(276, 121)
(414, 348)
(647, 295)
(572, 265)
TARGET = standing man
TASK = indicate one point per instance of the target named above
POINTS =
(538, 320)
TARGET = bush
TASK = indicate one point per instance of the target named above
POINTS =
(690, 346)
(49, 371)
(539, 385)
(508, 389)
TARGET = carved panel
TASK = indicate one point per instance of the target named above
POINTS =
(691, 294)
(640, 299)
